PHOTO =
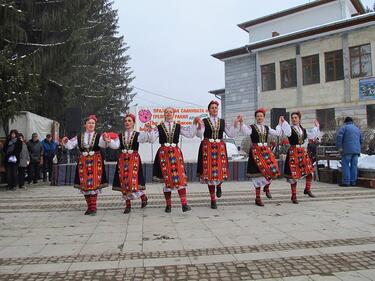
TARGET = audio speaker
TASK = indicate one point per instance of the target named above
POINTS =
(73, 117)
(275, 114)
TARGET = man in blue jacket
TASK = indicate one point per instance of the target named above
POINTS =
(349, 141)
(50, 149)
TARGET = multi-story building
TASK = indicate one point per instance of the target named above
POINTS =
(317, 58)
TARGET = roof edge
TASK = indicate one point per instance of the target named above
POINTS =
(231, 53)
(220, 91)
(356, 3)
(297, 35)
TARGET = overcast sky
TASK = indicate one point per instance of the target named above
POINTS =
(171, 42)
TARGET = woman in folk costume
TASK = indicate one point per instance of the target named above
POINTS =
(262, 166)
(212, 156)
(128, 176)
(298, 163)
(90, 175)
(169, 163)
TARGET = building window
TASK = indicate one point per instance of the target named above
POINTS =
(370, 109)
(326, 118)
(360, 61)
(268, 77)
(334, 66)
(310, 70)
(288, 73)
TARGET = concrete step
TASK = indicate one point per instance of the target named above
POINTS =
(366, 182)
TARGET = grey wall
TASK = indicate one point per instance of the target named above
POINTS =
(240, 89)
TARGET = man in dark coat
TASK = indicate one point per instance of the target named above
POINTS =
(12, 149)
(36, 153)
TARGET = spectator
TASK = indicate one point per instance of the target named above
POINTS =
(348, 141)
(61, 154)
(312, 149)
(50, 149)
(36, 153)
(24, 162)
(12, 149)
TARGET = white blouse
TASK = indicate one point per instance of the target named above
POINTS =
(230, 131)
(186, 131)
(246, 130)
(115, 143)
(310, 135)
(87, 140)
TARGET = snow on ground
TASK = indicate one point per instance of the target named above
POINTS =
(364, 162)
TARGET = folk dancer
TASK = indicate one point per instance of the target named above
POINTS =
(169, 163)
(298, 164)
(262, 166)
(128, 177)
(212, 156)
(90, 175)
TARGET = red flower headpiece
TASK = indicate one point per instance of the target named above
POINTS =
(93, 117)
(131, 116)
(262, 110)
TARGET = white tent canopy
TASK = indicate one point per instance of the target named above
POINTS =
(27, 123)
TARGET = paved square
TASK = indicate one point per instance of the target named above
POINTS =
(45, 236)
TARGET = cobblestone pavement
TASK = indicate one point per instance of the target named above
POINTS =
(45, 236)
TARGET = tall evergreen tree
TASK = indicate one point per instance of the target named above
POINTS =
(74, 54)
(17, 84)
(54, 29)
(104, 76)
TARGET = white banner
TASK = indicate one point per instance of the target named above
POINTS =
(154, 115)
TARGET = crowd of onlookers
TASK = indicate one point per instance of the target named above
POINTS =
(32, 160)
(28, 161)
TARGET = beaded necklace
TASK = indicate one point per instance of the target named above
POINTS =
(262, 135)
(128, 145)
(299, 135)
(169, 135)
(91, 145)
(214, 128)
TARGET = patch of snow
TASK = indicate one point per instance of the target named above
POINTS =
(364, 162)
(333, 164)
